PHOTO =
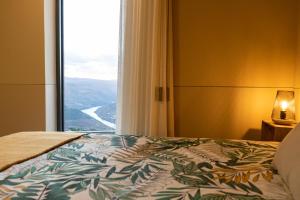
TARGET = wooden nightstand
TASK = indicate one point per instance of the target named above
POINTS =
(274, 132)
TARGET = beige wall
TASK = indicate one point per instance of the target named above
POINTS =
(230, 57)
(22, 66)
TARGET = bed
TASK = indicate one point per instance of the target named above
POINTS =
(99, 166)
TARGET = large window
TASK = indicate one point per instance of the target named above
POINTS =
(90, 64)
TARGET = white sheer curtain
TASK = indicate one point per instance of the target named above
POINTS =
(145, 83)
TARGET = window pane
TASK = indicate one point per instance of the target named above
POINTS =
(91, 36)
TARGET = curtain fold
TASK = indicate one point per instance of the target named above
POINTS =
(145, 83)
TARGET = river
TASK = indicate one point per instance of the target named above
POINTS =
(92, 113)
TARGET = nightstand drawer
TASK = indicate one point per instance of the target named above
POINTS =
(274, 132)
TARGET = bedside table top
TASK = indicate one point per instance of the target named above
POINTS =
(271, 123)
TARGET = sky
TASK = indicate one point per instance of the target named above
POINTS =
(91, 37)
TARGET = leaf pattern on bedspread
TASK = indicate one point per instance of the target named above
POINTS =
(102, 167)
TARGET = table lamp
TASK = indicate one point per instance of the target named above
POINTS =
(284, 108)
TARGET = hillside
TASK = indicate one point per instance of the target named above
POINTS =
(85, 93)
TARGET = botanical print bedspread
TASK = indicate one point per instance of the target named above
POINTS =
(127, 167)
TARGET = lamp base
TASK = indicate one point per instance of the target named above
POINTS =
(284, 121)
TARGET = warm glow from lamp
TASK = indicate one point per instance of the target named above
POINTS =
(284, 105)
(284, 108)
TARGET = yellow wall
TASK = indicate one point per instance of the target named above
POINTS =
(22, 68)
(297, 74)
(230, 57)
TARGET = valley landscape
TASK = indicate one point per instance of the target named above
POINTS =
(90, 104)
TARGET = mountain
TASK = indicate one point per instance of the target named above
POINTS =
(86, 93)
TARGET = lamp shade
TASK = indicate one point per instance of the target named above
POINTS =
(284, 108)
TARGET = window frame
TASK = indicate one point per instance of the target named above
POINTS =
(60, 70)
(59, 66)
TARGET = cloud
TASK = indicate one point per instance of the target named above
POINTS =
(73, 58)
(93, 70)
(91, 37)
